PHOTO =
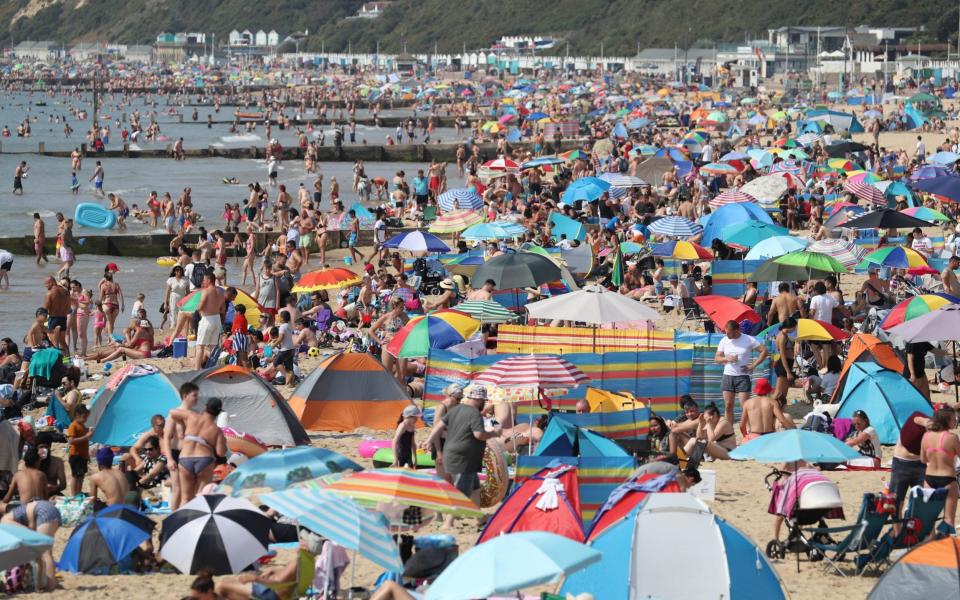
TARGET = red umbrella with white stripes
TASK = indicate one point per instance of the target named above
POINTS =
(534, 370)
(501, 164)
(731, 196)
(865, 191)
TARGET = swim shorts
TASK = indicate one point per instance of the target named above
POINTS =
(208, 332)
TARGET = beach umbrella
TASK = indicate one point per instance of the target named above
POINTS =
(279, 469)
(940, 325)
(460, 199)
(885, 219)
(407, 487)
(946, 187)
(791, 445)
(440, 329)
(729, 564)
(898, 257)
(457, 220)
(680, 250)
(592, 304)
(927, 214)
(417, 241)
(573, 155)
(191, 301)
(511, 562)
(719, 168)
(498, 230)
(808, 139)
(775, 246)
(216, 532)
(486, 311)
(501, 164)
(730, 214)
(534, 371)
(19, 545)
(929, 172)
(811, 260)
(674, 226)
(944, 158)
(587, 189)
(340, 520)
(751, 233)
(518, 270)
(722, 310)
(865, 191)
(619, 180)
(796, 266)
(768, 188)
(542, 161)
(932, 566)
(730, 196)
(326, 279)
(914, 307)
(845, 252)
(104, 539)
(810, 330)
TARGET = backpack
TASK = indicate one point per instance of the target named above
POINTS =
(819, 422)
(196, 276)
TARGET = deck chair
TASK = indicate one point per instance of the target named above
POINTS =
(860, 538)
(692, 312)
(918, 522)
(298, 588)
(429, 214)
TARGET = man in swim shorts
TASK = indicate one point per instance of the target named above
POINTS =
(57, 303)
(212, 306)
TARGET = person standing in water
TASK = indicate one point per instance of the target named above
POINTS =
(19, 174)
(97, 179)
(39, 237)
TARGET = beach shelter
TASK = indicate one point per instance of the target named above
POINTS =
(254, 406)
(627, 496)
(549, 501)
(347, 391)
(639, 560)
(729, 214)
(932, 567)
(886, 396)
(121, 409)
(866, 347)
(561, 224)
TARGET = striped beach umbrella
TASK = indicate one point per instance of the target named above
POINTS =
(674, 226)
(791, 166)
(927, 214)
(501, 164)
(917, 306)
(440, 329)
(731, 196)
(191, 301)
(719, 168)
(457, 220)
(104, 539)
(486, 311)
(898, 257)
(216, 532)
(326, 279)
(808, 139)
(619, 180)
(279, 469)
(681, 250)
(845, 252)
(417, 241)
(407, 487)
(498, 230)
(535, 370)
(865, 191)
(339, 520)
(460, 199)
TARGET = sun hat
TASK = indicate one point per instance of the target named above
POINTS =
(411, 411)
(477, 392)
(447, 284)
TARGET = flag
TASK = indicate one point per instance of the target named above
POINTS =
(616, 276)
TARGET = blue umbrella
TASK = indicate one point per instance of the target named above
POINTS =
(729, 214)
(585, 188)
(793, 445)
(775, 246)
(279, 469)
(511, 562)
(465, 198)
(947, 186)
(105, 539)
(493, 231)
(675, 227)
(19, 545)
(639, 123)
(417, 241)
(536, 116)
(543, 161)
(751, 233)
(340, 520)
(944, 158)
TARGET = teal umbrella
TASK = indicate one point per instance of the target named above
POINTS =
(795, 444)
(511, 562)
(19, 545)
(751, 233)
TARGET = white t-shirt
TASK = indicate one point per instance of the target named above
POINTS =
(286, 336)
(380, 231)
(5, 257)
(923, 245)
(822, 307)
(871, 447)
(742, 348)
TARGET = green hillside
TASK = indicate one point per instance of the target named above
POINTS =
(450, 25)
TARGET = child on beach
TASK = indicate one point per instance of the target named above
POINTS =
(99, 322)
(74, 183)
(78, 436)
(239, 340)
(403, 442)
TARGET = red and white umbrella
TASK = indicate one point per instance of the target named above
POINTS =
(865, 191)
(501, 164)
(535, 370)
(731, 196)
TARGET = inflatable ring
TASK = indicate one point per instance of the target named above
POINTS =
(493, 489)
(384, 458)
(166, 261)
(244, 443)
(368, 448)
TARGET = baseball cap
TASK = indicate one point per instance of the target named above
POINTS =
(762, 387)
(369, 268)
(112, 267)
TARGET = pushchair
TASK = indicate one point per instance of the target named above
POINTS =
(803, 498)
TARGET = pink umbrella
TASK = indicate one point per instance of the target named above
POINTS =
(501, 164)
(731, 196)
(865, 191)
(506, 119)
(535, 370)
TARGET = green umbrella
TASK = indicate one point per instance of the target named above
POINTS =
(796, 266)
(750, 233)
(486, 311)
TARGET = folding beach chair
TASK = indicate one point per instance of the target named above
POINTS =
(860, 538)
(692, 312)
(924, 508)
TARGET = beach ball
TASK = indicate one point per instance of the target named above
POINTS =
(313, 352)
(107, 367)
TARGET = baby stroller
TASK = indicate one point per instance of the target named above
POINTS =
(803, 498)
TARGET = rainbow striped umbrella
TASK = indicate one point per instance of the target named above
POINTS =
(681, 250)
(326, 279)
(457, 220)
(926, 214)
(191, 301)
(534, 370)
(731, 196)
(405, 486)
(440, 329)
(810, 330)
(912, 308)
(898, 257)
(574, 155)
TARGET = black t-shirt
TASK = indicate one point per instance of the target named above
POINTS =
(918, 351)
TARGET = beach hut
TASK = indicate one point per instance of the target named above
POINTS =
(121, 409)
(866, 347)
(549, 501)
(640, 561)
(886, 396)
(254, 406)
(349, 390)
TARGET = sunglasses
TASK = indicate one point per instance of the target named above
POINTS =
(151, 449)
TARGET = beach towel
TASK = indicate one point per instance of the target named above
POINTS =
(129, 371)
(43, 362)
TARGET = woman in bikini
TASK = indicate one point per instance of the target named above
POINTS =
(112, 298)
(139, 347)
(388, 325)
(250, 256)
(203, 444)
(938, 450)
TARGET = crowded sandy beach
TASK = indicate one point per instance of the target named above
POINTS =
(612, 336)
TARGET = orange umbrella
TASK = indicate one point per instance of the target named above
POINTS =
(326, 279)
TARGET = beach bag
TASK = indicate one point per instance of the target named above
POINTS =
(73, 510)
(16, 579)
(819, 422)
